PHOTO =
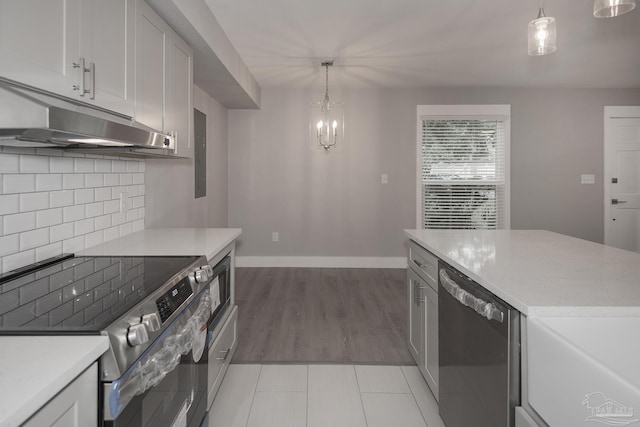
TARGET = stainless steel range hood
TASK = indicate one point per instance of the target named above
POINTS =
(33, 118)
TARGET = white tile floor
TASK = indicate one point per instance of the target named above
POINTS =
(324, 396)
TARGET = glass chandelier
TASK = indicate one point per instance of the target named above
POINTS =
(611, 8)
(326, 126)
(542, 35)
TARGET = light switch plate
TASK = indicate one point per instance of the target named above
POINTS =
(587, 179)
(384, 179)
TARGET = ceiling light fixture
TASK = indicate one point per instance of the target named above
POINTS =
(327, 119)
(611, 8)
(542, 35)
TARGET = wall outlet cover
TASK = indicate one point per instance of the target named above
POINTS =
(587, 179)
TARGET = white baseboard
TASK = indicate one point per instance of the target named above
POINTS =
(321, 262)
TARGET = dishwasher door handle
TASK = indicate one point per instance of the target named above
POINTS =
(483, 308)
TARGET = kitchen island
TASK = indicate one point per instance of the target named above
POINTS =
(541, 273)
(580, 313)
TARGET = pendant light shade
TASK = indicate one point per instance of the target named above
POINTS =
(542, 35)
(611, 8)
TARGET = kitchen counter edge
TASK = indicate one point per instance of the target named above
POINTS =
(167, 242)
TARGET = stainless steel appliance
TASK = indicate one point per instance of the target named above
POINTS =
(479, 354)
(155, 311)
(31, 117)
(220, 294)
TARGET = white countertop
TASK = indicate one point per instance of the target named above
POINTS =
(34, 369)
(168, 241)
(541, 273)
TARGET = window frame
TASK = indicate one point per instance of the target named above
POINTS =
(461, 112)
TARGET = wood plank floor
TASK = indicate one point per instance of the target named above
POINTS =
(321, 315)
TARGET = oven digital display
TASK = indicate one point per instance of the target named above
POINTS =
(169, 302)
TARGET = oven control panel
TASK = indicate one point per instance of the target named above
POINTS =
(169, 302)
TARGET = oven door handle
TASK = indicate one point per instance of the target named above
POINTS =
(480, 306)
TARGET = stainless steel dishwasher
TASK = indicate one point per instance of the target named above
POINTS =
(479, 354)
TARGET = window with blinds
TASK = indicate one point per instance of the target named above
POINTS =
(464, 180)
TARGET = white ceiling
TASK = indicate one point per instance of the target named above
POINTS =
(407, 43)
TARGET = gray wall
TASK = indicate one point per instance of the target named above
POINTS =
(170, 199)
(333, 204)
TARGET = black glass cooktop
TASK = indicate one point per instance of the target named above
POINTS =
(80, 294)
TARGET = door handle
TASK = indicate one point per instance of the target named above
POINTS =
(617, 202)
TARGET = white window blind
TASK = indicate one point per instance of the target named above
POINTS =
(463, 173)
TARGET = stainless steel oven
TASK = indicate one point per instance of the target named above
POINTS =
(479, 354)
(156, 313)
(167, 386)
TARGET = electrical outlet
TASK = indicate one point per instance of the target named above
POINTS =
(587, 179)
(275, 236)
(384, 179)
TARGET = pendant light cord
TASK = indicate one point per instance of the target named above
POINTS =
(326, 92)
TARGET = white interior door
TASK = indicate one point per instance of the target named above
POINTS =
(622, 177)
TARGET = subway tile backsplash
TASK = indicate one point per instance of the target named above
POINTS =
(52, 202)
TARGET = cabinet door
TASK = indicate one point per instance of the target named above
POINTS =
(75, 406)
(107, 41)
(151, 39)
(179, 90)
(431, 340)
(415, 339)
(39, 43)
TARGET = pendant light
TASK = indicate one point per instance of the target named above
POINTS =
(542, 35)
(611, 8)
(326, 125)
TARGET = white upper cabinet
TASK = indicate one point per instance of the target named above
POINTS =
(164, 79)
(39, 43)
(179, 111)
(107, 45)
(81, 49)
(151, 41)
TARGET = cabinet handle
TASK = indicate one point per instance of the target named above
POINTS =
(418, 263)
(421, 297)
(80, 65)
(417, 290)
(81, 69)
(92, 75)
(225, 354)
